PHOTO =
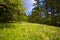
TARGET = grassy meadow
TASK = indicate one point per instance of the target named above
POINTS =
(28, 31)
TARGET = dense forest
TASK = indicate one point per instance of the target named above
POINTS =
(11, 11)
(47, 13)
(14, 11)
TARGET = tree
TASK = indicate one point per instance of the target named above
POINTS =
(38, 13)
(11, 10)
(54, 5)
(49, 13)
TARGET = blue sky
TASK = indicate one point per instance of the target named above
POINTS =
(28, 5)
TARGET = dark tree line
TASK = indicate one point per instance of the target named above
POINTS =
(47, 13)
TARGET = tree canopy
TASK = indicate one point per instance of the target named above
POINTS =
(10, 10)
(49, 14)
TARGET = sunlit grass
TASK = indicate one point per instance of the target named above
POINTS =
(28, 31)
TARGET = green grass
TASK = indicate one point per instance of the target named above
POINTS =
(28, 31)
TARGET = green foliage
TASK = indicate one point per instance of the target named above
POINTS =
(52, 18)
(36, 16)
(10, 10)
(55, 3)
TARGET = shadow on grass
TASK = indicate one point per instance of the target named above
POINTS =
(6, 25)
(56, 25)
